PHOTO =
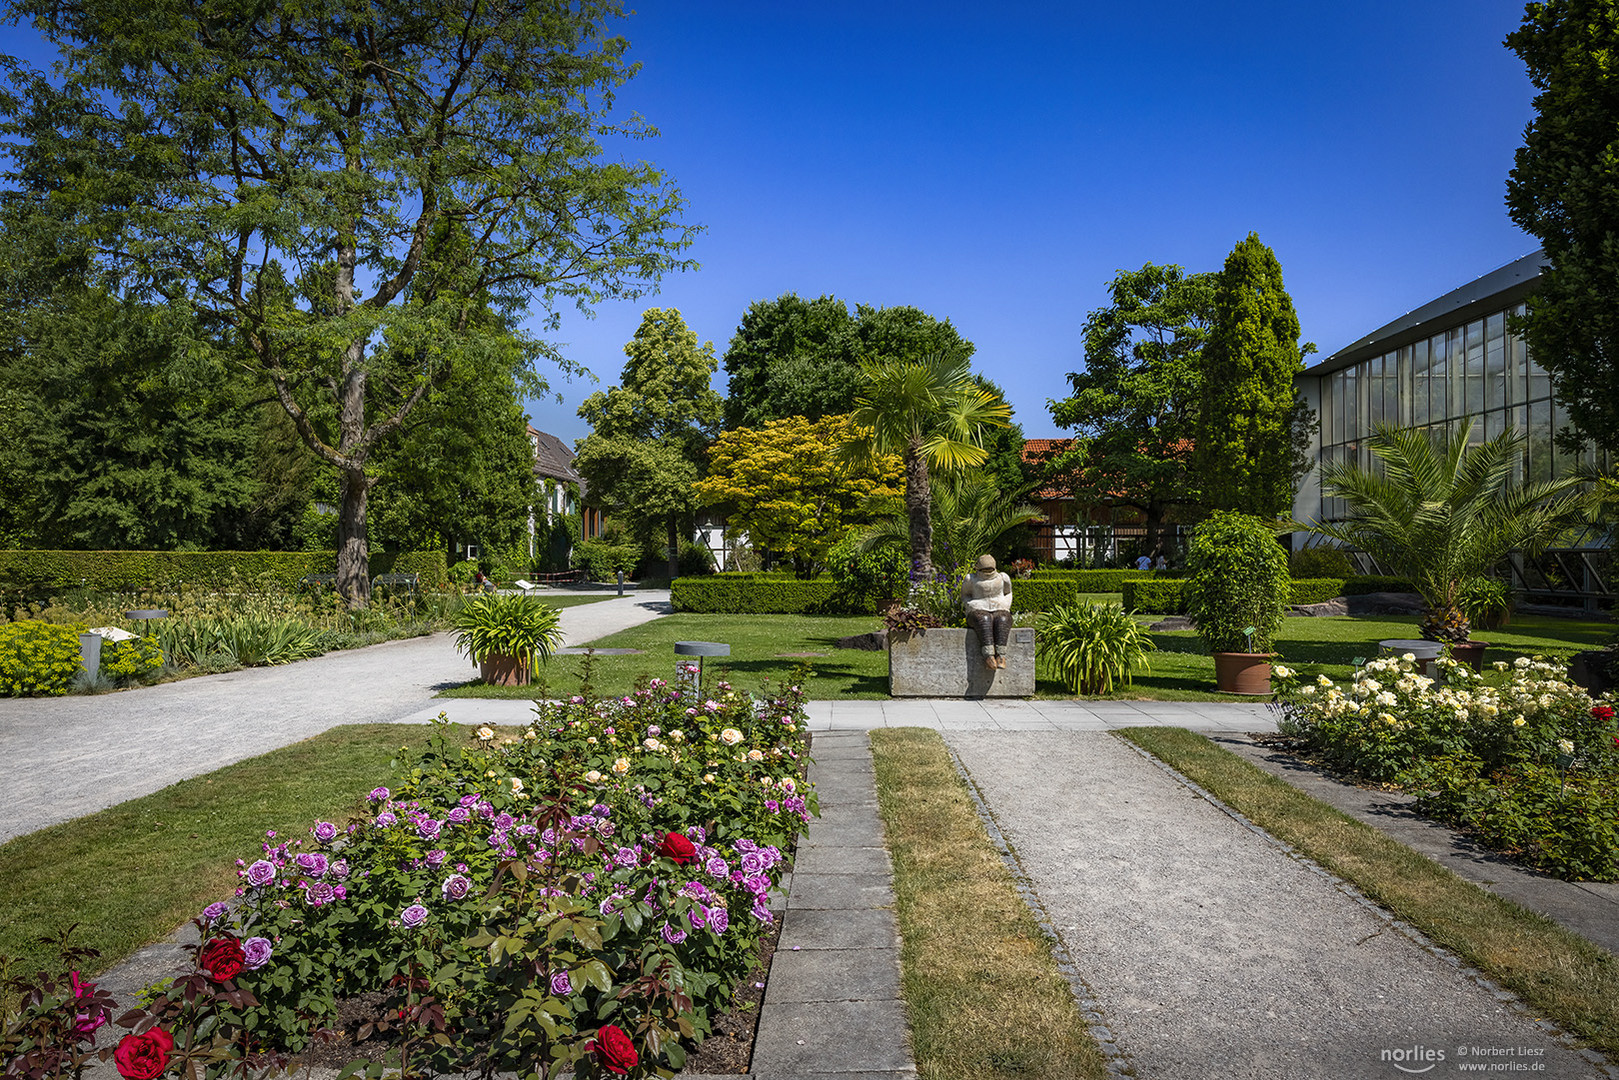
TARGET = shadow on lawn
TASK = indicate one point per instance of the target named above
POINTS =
(845, 678)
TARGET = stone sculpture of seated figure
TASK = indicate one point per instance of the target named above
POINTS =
(987, 594)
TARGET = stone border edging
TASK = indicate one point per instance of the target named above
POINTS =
(1414, 935)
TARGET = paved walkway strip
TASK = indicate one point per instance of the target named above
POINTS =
(832, 1009)
(1211, 951)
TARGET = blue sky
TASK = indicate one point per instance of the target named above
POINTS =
(997, 169)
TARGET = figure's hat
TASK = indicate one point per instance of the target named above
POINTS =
(985, 563)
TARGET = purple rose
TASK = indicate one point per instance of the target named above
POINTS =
(413, 916)
(504, 821)
(428, 828)
(325, 831)
(456, 887)
(606, 907)
(312, 863)
(469, 800)
(719, 920)
(761, 911)
(772, 805)
(752, 862)
(673, 935)
(757, 884)
(699, 916)
(216, 911)
(717, 866)
(436, 857)
(319, 893)
(627, 856)
(340, 870)
(260, 873)
(385, 819)
(561, 985)
(340, 892)
(601, 810)
(256, 952)
(378, 794)
(460, 815)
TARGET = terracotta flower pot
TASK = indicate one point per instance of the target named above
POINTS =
(1469, 652)
(500, 670)
(1242, 673)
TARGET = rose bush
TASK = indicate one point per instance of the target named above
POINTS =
(583, 897)
(1523, 759)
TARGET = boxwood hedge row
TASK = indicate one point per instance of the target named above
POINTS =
(46, 572)
(1163, 596)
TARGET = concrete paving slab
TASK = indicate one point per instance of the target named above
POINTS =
(853, 831)
(843, 892)
(843, 860)
(831, 1037)
(813, 928)
(834, 975)
(893, 1074)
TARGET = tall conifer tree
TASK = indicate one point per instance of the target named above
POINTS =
(1253, 429)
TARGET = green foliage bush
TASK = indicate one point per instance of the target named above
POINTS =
(1321, 561)
(1093, 648)
(1160, 596)
(1100, 581)
(695, 559)
(126, 660)
(1043, 594)
(1315, 590)
(43, 573)
(1361, 584)
(872, 578)
(759, 594)
(1238, 580)
(463, 573)
(602, 561)
(1527, 763)
(37, 658)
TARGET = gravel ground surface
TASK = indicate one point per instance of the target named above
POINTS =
(69, 756)
(1212, 951)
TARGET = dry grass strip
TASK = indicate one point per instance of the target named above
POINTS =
(983, 990)
(1562, 976)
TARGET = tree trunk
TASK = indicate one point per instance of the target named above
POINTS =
(674, 549)
(918, 508)
(353, 557)
(1155, 519)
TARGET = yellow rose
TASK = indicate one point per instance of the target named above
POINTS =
(593, 777)
(621, 766)
(485, 733)
(730, 736)
(755, 755)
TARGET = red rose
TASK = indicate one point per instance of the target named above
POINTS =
(613, 1048)
(143, 1057)
(1602, 712)
(222, 958)
(677, 847)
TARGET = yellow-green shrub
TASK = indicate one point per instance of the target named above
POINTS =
(132, 658)
(37, 658)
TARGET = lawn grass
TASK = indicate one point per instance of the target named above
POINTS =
(1562, 976)
(132, 873)
(1180, 668)
(983, 992)
(759, 644)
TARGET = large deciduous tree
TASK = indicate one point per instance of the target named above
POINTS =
(1253, 430)
(787, 486)
(1564, 190)
(1134, 407)
(344, 189)
(643, 456)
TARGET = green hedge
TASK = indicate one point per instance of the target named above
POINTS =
(757, 594)
(1094, 581)
(1043, 594)
(1163, 596)
(46, 572)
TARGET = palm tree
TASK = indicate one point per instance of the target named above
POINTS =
(931, 413)
(1438, 513)
(969, 514)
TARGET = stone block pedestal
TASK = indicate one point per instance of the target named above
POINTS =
(950, 663)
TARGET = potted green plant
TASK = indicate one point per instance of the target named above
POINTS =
(505, 634)
(1237, 593)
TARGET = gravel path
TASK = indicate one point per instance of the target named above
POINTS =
(69, 756)
(1213, 952)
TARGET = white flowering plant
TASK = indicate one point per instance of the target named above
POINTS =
(1523, 758)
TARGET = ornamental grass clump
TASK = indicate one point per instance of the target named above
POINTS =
(1093, 648)
(495, 625)
(1524, 759)
(581, 898)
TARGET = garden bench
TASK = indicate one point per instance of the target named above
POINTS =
(409, 582)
